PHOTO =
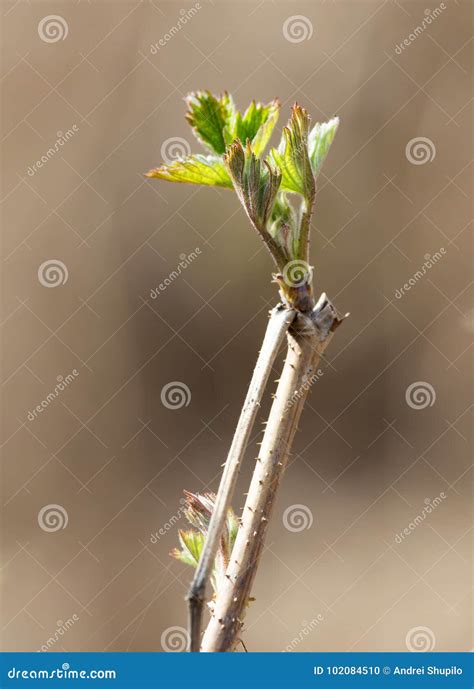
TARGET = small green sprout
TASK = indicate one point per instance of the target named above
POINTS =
(198, 510)
(237, 144)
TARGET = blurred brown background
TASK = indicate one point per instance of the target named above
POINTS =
(106, 455)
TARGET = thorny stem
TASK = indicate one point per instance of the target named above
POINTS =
(278, 325)
(275, 250)
(308, 337)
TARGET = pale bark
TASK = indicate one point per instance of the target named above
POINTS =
(308, 337)
(280, 320)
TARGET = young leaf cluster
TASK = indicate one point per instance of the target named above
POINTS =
(236, 144)
(198, 510)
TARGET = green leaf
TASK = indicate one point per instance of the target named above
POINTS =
(319, 141)
(291, 157)
(256, 183)
(217, 123)
(208, 115)
(256, 124)
(191, 543)
(196, 169)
